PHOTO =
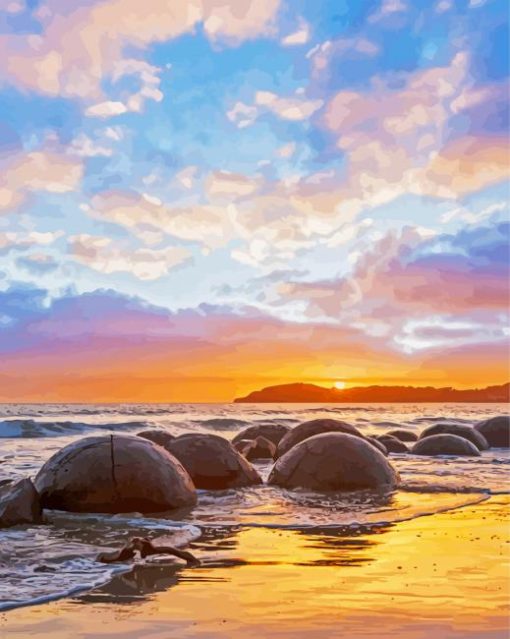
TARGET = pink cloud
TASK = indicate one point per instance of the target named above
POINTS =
(78, 48)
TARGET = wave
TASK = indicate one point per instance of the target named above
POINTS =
(29, 428)
(71, 542)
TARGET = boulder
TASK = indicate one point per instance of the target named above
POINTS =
(19, 504)
(334, 461)
(114, 474)
(311, 428)
(258, 448)
(393, 444)
(379, 445)
(445, 445)
(468, 432)
(213, 462)
(273, 432)
(403, 435)
(496, 431)
(160, 437)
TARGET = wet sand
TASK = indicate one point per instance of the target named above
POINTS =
(442, 576)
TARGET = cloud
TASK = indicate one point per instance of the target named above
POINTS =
(387, 8)
(19, 241)
(416, 274)
(230, 185)
(103, 255)
(106, 109)
(209, 225)
(401, 138)
(298, 37)
(42, 170)
(295, 108)
(73, 51)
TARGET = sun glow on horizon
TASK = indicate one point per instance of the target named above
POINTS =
(339, 385)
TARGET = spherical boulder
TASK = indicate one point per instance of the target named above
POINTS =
(379, 445)
(403, 435)
(393, 444)
(159, 437)
(496, 431)
(334, 462)
(19, 504)
(445, 445)
(273, 432)
(258, 448)
(114, 474)
(468, 432)
(311, 428)
(213, 462)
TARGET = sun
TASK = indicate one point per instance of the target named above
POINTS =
(340, 385)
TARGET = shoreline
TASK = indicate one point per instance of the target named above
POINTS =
(445, 573)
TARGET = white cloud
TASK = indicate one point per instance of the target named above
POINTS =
(106, 109)
(103, 255)
(298, 37)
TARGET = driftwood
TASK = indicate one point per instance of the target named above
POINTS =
(146, 548)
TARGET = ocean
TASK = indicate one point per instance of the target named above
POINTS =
(57, 559)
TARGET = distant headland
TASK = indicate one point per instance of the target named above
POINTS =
(312, 394)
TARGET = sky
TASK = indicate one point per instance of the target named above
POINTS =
(199, 199)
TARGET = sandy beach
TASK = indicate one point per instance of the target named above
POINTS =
(445, 576)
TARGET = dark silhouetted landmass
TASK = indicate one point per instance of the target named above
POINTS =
(312, 394)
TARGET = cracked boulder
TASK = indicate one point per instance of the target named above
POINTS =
(19, 504)
(273, 432)
(334, 462)
(114, 474)
(311, 428)
(212, 462)
(468, 432)
(496, 431)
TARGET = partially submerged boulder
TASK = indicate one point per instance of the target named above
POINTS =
(311, 428)
(393, 444)
(403, 434)
(19, 504)
(378, 444)
(496, 431)
(468, 432)
(212, 462)
(159, 437)
(334, 462)
(114, 474)
(445, 445)
(258, 448)
(273, 432)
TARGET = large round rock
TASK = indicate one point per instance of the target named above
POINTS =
(445, 445)
(114, 474)
(403, 435)
(334, 461)
(393, 444)
(273, 432)
(312, 428)
(159, 437)
(468, 432)
(496, 431)
(213, 462)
